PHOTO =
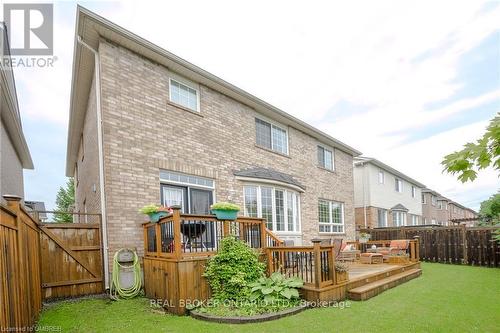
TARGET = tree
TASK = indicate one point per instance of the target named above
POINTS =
(476, 156)
(65, 200)
(490, 210)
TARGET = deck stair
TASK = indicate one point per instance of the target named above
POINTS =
(362, 292)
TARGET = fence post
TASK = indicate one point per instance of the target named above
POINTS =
(177, 231)
(464, 244)
(317, 262)
(263, 243)
(416, 252)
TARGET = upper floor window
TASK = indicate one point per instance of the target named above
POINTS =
(440, 205)
(433, 200)
(184, 95)
(325, 158)
(279, 207)
(381, 177)
(398, 185)
(413, 191)
(331, 216)
(424, 201)
(271, 136)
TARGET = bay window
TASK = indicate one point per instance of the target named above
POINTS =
(398, 218)
(331, 216)
(280, 207)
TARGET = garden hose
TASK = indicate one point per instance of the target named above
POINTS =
(117, 291)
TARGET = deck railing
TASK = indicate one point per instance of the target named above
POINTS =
(315, 265)
(186, 235)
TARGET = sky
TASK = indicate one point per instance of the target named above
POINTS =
(406, 82)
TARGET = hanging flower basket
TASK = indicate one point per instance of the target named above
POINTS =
(155, 212)
(225, 211)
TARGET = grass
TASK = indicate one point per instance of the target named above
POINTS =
(447, 298)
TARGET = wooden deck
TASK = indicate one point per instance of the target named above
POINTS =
(358, 270)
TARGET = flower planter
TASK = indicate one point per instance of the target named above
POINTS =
(341, 276)
(230, 215)
(155, 217)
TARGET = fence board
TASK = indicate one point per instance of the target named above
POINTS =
(454, 245)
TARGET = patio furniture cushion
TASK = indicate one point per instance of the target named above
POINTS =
(399, 244)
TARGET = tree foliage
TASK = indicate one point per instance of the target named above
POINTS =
(476, 156)
(490, 210)
(65, 200)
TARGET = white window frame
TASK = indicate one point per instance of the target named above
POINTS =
(385, 217)
(433, 200)
(184, 83)
(276, 125)
(424, 199)
(413, 191)
(296, 210)
(381, 177)
(400, 185)
(332, 151)
(403, 218)
(330, 214)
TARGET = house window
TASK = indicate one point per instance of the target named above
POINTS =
(413, 191)
(433, 200)
(382, 217)
(184, 95)
(325, 158)
(279, 207)
(424, 201)
(271, 136)
(398, 218)
(414, 220)
(398, 185)
(381, 177)
(433, 221)
(193, 194)
(440, 205)
(331, 216)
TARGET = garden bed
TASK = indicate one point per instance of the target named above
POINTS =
(249, 319)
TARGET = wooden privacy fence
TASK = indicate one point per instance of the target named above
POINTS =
(44, 261)
(20, 293)
(454, 245)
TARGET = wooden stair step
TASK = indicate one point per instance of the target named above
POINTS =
(372, 289)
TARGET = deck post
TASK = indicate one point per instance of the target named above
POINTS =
(331, 265)
(226, 228)
(417, 248)
(177, 231)
(263, 244)
(317, 262)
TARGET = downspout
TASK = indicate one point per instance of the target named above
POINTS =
(100, 149)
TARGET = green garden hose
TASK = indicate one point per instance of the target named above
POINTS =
(117, 291)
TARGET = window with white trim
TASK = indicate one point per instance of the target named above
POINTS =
(398, 185)
(414, 219)
(271, 136)
(279, 206)
(413, 191)
(424, 201)
(433, 200)
(381, 177)
(325, 158)
(382, 217)
(398, 218)
(184, 95)
(331, 216)
(440, 205)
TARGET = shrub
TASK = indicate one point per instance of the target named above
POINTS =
(225, 206)
(276, 288)
(232, 269)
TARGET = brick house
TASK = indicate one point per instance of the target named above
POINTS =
(437, 209)
(383, 196)
(14, 152)
(148, 127)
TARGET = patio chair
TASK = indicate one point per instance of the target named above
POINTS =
(348, 253)
(396, 247)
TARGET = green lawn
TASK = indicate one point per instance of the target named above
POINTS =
(447, 298)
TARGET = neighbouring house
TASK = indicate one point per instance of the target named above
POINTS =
(439, 210)
(384, 196)
(39, 207)
(14, 152)
(149, 127)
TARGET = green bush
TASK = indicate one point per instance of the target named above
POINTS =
(225, 206)
(276, 288)
(232, 269)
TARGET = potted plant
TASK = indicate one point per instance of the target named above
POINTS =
(155, 212)
(225, 210)
(364, 237)
(341, 270)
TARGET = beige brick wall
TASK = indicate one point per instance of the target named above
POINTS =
(87, 186)
(143, 133)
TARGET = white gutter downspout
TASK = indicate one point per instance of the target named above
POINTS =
(97, 71)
